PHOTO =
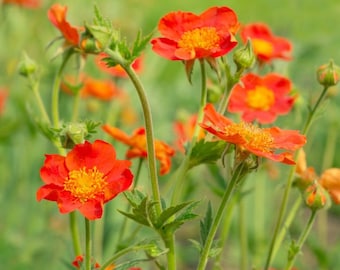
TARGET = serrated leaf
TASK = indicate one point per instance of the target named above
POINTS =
(187, 213)
(138, 218)
(206, 152)
(134, 197)
(205, 224)
(168, 213)
(140, 44)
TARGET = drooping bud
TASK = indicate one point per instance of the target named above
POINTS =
(27, 66)
(244, 57)
(328, 74)
(315, 196)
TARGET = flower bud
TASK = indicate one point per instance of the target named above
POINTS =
(328, 74)
(245, 57)
(315, 196)
(72, 134)
(27, 66)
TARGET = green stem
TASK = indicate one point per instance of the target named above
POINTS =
(301, 241)
(169, 241)
(88, 244)
(243, 236)
(148, 126)
(184, 167)
(284, 202)
(56, 90)
(75, 233)
(219, 215)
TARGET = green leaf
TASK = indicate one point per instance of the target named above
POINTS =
(168, 213)
(140, 44)
(206, 152)
(205, 224)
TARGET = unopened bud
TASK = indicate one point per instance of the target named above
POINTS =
(328, 74)
(73, 133)
(245, 57)
(27, 66)
(315, 196)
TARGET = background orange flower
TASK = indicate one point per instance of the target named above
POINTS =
(186, 36)
(89, 176)
(24, 3)
(261, 98)
(267, 46)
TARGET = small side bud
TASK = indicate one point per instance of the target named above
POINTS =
(73, 133)
(244, 57)
(315, 196)
(328, 74)
(27, 66)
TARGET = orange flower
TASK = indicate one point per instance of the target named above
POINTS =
(90, 87)
(266, 46)
(78, 261)
(3, 97)
(24, 3)
(261, 98)
(89, 176)
(186, 36)
(185, 132)
(57, 16)
(137, 143)
(118, 71)
(263, 142)
(329, 179)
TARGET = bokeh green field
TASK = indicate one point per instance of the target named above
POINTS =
(34, 235)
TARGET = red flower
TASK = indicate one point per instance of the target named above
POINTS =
(137, 143)
(24, 3)
(89, 176)
(186, 36)
(266, 46)
(118, 71)
(261, 98)
(90, 87)
(185, 132)
(57, 16)
(263, 142)
(3, 97)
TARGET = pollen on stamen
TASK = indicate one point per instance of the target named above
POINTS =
(200, 38)
(85, 184)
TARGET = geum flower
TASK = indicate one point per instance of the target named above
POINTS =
(118, 71)
(57, 15)
(138, 148)
(266, 45)
(24, 3)
(261, 98)
(329, 179)
(248, 138)
(187, 36)
(87, 178)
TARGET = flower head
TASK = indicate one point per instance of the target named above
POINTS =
(89, 176)
(137, 143)
(266, 45)
(187, 36)
(57, 16)
(261, 98)
(262, 142)
(118, 71)
(329, 179)
(24, 3)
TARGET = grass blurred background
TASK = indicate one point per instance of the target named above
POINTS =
(34, 235)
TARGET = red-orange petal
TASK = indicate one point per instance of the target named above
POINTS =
(54, 170)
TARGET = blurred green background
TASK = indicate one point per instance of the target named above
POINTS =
(34, 235)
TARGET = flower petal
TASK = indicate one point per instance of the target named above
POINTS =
(92, 209)
(54, 170)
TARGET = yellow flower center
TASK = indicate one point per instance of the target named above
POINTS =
(200, 38)
(260, 98)
(254, 136)
(262, 47)
(85, 184)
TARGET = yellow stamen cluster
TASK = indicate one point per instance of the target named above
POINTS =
(200, 38)
(254, 136)
(85, 184)
(260, 98)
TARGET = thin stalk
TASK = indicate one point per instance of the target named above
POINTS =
(219, 216)
(88, 244)
(284, 201)
(182, 170)
(56, 90)
(75, 233)
(243, 236)
(301, 241)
